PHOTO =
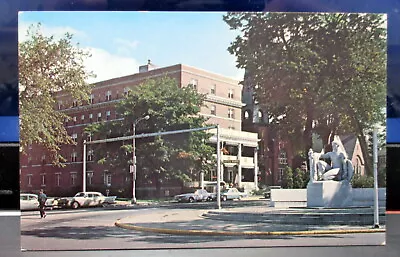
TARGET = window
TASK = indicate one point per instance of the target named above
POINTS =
(213, 110)
(73, 156)
(91, 99)
(43, 158)
(230, 93)
(58, 179)
(29, 180)
(194, 83)
(107, 178)
(108, 114)
(74, 119)
(89, 137)
(60, 105)
(91, 117)
(99, 116)
(213, 89)
(280, 175)
(126, 91)
(83, 117)
(231, 113)
(66, 121)
(43, 179)
(74, 137)
(74, 177)
(108, 95)
(247, 114)
(282, 158)
(89, 179)
(74, 103)
(90, 155)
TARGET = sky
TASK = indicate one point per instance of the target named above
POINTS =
(121, 41)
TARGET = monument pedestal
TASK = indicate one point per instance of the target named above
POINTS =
(329, 194)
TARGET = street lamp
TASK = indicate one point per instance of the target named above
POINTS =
(133, 167)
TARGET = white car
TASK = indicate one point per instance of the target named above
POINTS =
(30, 202)
(89, 199)
(232, 193)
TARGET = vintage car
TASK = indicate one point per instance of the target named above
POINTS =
(86, 199)
(30, 202)
(231, 194)
(197, 196)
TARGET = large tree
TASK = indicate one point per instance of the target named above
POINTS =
(315, 73)
(46, 67)
(181, 157)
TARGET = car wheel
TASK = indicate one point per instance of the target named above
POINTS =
(191, 200)
(75, 205)
(224, 198)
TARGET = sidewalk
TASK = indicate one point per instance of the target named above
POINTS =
(242, 221)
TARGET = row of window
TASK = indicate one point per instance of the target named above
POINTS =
(99, 118)
(73, 179)
(231, 111)
(213, 89)
(73, 156)
(107, 97)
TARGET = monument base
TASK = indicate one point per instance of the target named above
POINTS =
(329, 194)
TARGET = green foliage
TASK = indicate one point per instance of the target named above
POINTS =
(298, 178)
(288, 178)
(359, 181)
(46, 67)
(323, 73)
(159, 159)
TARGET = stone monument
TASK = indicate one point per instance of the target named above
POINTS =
(329, 184)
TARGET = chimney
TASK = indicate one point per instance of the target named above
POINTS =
(147, 67)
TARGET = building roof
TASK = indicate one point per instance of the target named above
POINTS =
(349, 144)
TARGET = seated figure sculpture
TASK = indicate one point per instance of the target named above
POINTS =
(339, 168)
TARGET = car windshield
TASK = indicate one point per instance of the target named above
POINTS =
(80, 194)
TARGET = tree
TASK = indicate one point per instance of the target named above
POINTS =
(306, 70)
(288, 178)
(163, 158)
(46, 67)
(298, 178)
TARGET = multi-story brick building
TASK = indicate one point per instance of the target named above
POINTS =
(223, 105)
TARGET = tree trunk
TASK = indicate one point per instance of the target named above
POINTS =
(307, 135)
(364, 149)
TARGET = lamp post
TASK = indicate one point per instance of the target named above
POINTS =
(133, 167)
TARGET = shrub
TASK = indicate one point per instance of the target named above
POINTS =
(359, 181)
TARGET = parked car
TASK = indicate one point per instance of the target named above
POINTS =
(267, 193)
(86, 199)
(231, 194)
(197, 196)
(28, 202)
(31, 202)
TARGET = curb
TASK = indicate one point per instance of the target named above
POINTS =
(243, 233)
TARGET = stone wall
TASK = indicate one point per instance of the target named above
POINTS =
(362, 197)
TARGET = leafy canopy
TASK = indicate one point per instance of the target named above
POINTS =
(314, 73)
(46, 67)
(180, 156)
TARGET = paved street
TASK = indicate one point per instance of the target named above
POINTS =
(95, 229)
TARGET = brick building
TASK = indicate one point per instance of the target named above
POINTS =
(223, 106)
